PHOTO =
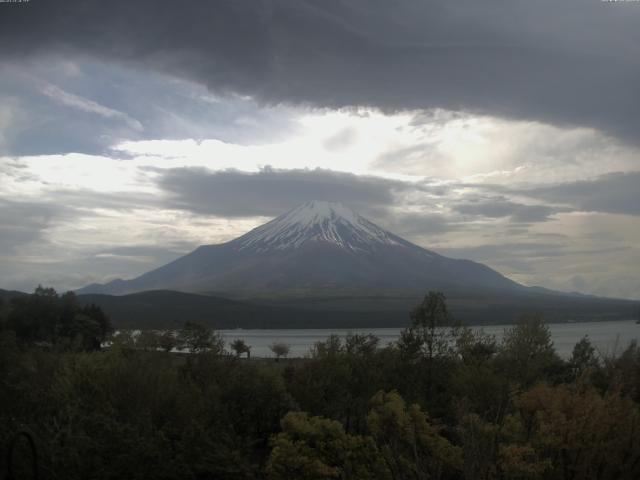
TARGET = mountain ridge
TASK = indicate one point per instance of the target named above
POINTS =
(315, 246)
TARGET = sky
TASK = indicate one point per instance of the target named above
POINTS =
(503, 132)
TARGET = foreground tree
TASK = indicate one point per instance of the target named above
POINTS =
(569, 433)
(35, 318)
(479, 442)
(47, 318)
(526, 354)
(315, 448)
(427, 348)
(476, 384)
(96, 313)
(622, 373)
(410, 443)
(84, 333)
(583, 358)
(432, 326)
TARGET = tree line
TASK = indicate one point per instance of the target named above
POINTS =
(443, 402)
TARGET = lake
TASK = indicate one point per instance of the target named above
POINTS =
(607, 337)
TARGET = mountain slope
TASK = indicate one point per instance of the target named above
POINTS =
(316, 247)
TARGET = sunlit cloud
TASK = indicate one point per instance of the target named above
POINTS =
(525, 197)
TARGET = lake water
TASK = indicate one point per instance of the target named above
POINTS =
(607, 337)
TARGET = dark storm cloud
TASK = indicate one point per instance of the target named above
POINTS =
(501, 207)
(611, 193)
(570, 62)
(88, 107)
(22, 222)
(271, 192)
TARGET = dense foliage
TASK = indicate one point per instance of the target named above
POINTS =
(58, 320)
(442, 403)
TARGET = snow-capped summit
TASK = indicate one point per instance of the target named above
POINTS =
(317, 221)
(316, 247)
(322, 260)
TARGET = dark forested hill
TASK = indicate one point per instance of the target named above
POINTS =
(169, 309)
(163, 308)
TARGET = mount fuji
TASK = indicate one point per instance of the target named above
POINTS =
(322, 265)
(320, 248)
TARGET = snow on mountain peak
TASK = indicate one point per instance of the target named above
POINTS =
(317, 221)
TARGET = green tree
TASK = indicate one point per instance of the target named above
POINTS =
(315, 448)
(94, 311)
(433, 330)
(336, 383)
(35, 318)
(479, 440)
(85, 333)
(475, 347)
(46, 317)
(197, 338)
(410, 345)
(575, 434)
(526, 353)
(411, 445)
(427, 349)
(475, 384)
(68, 308)
(521, 462)
(584, 360)
(362, 345)
(621, 373)
(330, 347)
